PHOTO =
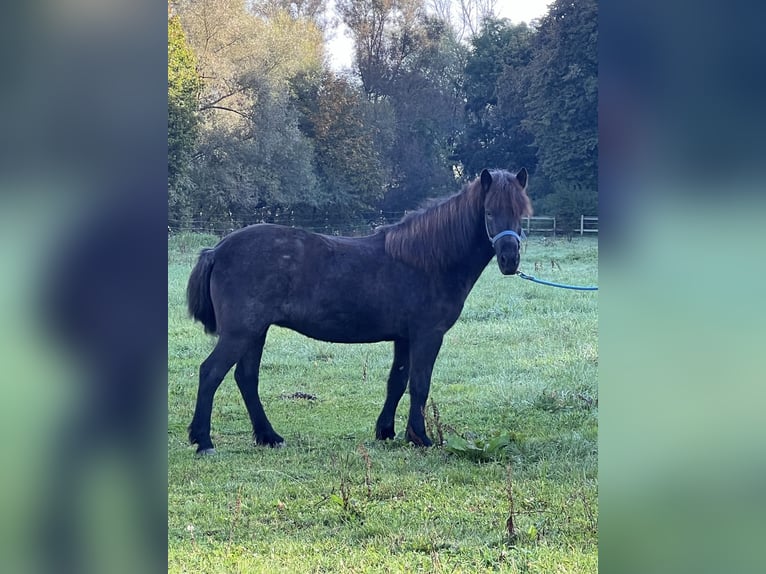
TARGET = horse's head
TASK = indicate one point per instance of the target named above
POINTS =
(505, 203)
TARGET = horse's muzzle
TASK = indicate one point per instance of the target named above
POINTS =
(508, 263)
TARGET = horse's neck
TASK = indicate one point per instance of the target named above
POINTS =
(477, 254)
(475, 264)
(450, 239)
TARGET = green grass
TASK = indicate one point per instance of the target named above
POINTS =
(521, 361)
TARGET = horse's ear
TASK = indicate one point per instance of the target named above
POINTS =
(522, 176)
(486, 180)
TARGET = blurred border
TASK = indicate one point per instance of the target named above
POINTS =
(83, 295)
(682, 318)
(83, 292)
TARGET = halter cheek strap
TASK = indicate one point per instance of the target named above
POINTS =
(518, 237)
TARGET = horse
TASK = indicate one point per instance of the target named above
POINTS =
(406, 282)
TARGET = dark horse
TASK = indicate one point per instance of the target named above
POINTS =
(405, 283)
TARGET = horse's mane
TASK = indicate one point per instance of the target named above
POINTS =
(440, 233)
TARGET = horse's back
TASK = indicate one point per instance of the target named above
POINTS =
(276, 248)
(269, 273)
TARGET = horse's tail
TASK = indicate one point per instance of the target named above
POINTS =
(198, 291)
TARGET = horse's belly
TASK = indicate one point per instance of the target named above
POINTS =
(342, 327)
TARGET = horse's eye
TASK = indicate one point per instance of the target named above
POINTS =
(489, 214)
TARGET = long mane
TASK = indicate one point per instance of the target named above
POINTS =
(440, 234)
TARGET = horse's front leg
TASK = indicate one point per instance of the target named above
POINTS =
(397, 383)
(423, 353)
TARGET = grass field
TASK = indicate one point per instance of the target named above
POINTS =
(520, 364)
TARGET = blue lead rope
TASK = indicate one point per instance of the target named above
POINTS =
(520, 238)
(563, 286)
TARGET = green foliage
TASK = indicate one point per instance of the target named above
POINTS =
(531, 100)
(410, 66)
(569, 203)
(251, 160)
(254, 171)
(382, 38)
(274, 135)
(184, 86)
(304, 9)
(477, 448)
(494, 75)
(347, 161)
(562, 98)
(326, 504)
(424, 98)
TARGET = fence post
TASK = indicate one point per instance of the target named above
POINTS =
(582, 225)
(554, 226)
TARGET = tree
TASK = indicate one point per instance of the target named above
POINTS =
(494, 135)
(251, 162)
(410, 66)
(313, 10)
(561, 106)
(382, 31)
(465, 16)
(183, 125)
(237, 50)
(254, 172)
(347, 160)
(426, 100)
(473, 13)
(278, 137)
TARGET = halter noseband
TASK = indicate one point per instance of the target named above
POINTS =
(518, 237)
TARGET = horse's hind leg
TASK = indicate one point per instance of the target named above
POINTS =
(246, 375)
(397, 383)
(227, 352)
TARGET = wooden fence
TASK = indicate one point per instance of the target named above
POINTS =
(539, 224)
(588, 224)
(535, 224)
(546, 224)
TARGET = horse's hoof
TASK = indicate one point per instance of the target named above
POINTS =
(206, 452)
(418, 440)
(274, 441)
(385, 434)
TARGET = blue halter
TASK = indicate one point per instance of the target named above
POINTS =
(518, 237)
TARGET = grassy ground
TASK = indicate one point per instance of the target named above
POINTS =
(520, 363)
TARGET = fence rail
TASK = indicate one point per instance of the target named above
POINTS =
(588, 224)
(539, 224)
(533, 224)
(547, 224)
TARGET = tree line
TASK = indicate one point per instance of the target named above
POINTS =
(261, 128)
